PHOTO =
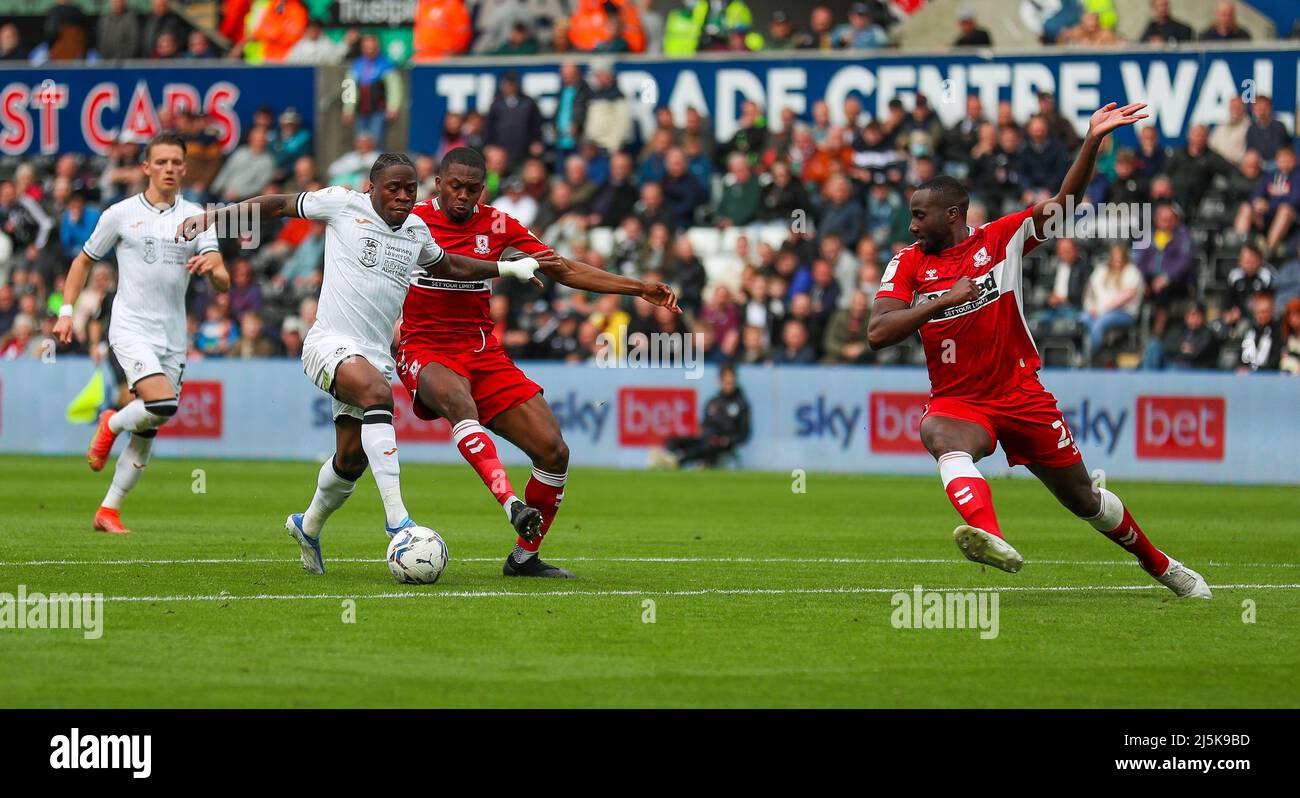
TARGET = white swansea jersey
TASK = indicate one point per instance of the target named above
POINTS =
(151, 273)
(368, 265)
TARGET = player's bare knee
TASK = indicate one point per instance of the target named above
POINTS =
(554, 456)
(1083, 502)
(375, 393)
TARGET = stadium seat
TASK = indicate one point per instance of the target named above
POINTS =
(724, 268)
(601, 239)
(705, 240)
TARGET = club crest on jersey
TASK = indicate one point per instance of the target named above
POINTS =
(481, 246)
(410, 233)
(982, 258)
(150, 249)
(369, 252)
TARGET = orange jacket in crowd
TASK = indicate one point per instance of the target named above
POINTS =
(278, 28)
(232, 18)
(587, 25)
(442, 28)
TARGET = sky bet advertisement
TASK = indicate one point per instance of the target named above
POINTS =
(50, 110)
(1210, 427)
(1182, 87)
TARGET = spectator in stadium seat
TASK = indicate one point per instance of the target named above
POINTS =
(571, 109)
(972, 35)
(688, 274)
(846, 334)
(245, 291)
(352, 168)
(753, 347)
(247, 171)
(590, 25)
(780, 33)
(1089, 33)
(995, 175)
(1162, 28)
(442, 28)
(167, 48)
(1043, 162)
(651, 210)
(252, 342)
(1267, 135)
(1166, 265)
(118, 34)
(1193, 169)
(8, 307)
(11, 46)
(608, 117)
(783, 196)
(1113, 298)
(289, 141)
(378, 91)
(515, 202)
(1069, 275)
(161, 19)
(1229, 138)
(76, 224)
(1271, 210)
(67, 32)
(1194, 346)
(1262, 345)
(738, 205)
(682, 192)
(616, 199)
(824, 294)
(819, 35)
(301, 273)
(956, 143)
(1225, 27)
(842, 214)
(1129, 185)
(1251, 275)
(21, 340)
(314, 47)
(198, 48)
(860, 32)
(292, 331)
(513, 121)
(794, 349)
(218, 333)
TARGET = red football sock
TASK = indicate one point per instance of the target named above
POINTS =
(1128, 535)
(968, 491)
(481, 453)
(544, 491)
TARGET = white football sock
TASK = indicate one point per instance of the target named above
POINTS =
(379, 441)
(331, 491)
(130, 465)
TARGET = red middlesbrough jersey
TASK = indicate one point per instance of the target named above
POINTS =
(980, 349)
(442, 308)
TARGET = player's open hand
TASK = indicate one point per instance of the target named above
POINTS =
(1111, 117)
(63, 330)
(962, 291)
(203, 265)
(661, 295)
(189, 229)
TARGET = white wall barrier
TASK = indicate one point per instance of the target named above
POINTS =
(1169, 425)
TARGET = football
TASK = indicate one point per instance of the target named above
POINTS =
(417, 556)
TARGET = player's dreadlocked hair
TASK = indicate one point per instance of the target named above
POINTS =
(948, 191)
(465, 156)
(386, 160)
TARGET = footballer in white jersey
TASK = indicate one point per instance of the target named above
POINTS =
(147, 335)
(372, 246)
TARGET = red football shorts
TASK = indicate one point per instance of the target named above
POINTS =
(495, 382)
(1025, 420)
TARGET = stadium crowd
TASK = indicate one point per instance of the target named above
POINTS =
(775, 238)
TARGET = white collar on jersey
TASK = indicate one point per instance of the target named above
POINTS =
(437, 206)
(155, 208)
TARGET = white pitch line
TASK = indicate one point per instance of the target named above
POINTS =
(664, 560)
(756, 591)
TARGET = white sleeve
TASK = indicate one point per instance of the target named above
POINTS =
(324, 204)
(430, 254)
(104, 237)
(207, 241)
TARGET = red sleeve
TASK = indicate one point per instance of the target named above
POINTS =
(521, 238)
(1015, 228)
(899, 278)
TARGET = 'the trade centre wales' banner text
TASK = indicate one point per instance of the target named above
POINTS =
(1182, 87)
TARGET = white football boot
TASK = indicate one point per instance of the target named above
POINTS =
(1185, 582)
(982, 547)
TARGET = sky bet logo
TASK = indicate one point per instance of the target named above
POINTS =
(1095, 426)
(580, 417)
(822, 419)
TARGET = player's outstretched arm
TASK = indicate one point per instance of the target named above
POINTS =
(267, 206)
(72, 285)
(1105, 121)
(212, 266)
(893, 320)
(467, 269)
(585, 277)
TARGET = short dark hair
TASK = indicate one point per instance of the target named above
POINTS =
(465, 156)
(948, 190)
(173, 139)
(389, 159)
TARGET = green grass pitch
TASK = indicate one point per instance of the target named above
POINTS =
(762, 596)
